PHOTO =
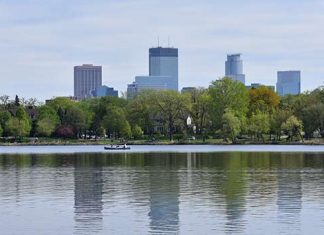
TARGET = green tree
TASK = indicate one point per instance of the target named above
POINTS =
(4, 117)
(276, 121)
(312, 117)
(126, 131)
(47, 122)
(114, 122)
(172, 109)
(1, 131)
(293, 127)
(200, 100)
(231, 125)
(20, 125)
(141, 111)
(45, 127)
(228, 94)
(259, 124)
(137, 132)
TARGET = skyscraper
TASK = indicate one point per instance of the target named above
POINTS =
(164, 62)
(288, 83)
(163, 72)
(234, 68)
(86, 78)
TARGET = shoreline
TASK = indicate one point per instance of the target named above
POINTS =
(161, 143)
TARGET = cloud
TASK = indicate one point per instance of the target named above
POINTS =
(41, 41)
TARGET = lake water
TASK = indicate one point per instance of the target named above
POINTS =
(162, 190)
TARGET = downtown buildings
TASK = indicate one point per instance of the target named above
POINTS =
(234, 68)
(288, 83)
(163, 72)
(87, 77)
(88, 83)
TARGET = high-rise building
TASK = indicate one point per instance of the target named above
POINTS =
(164, 62)
(87, 77)
(163, 72)
(288, 83)
(234, 68)
(103, 91)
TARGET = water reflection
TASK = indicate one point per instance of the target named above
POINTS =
(88, 194)
(163, 193)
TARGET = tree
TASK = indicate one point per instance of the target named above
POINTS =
(312, 117)
(263, 99)
(114, 122)
(259, 124)
(65, 132)
(17, 101)
(17, 127)
(231, 125)
(4, 99)
(20, 125)
(172, 109)
(1, 131)
(276, 121)
(4, 117)
(293, 127)
(126, 131)
(45, 127)
(228, 94)
(199, 111)
(141, 111)
(137, 132)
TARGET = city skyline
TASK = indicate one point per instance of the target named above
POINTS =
(41, 42)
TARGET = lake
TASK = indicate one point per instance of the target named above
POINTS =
(162, 190)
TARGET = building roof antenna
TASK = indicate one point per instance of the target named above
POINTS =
(158, 41)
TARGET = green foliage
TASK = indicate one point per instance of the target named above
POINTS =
(199, 111)
(228, 94)
(259, 124)
(4, 117)
(18, 127)
(172, 109)
(293, 127)
(137, 132)
(1, 131)
(126, 131)
(45, 127)
(231, 125)
(101, 132)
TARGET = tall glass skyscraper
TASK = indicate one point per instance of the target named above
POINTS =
(288, 83)
(164, 62)
(163, 72)
(234, 68)
(86, 79)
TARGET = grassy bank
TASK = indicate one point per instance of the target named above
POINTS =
(55, 141)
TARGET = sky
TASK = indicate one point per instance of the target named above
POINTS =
(41, 41)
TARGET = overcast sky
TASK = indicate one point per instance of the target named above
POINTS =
(41, 40)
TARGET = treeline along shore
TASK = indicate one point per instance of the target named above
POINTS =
(226, 112)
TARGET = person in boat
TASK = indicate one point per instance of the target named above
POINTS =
(125, 146)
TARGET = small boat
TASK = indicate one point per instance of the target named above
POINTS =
(117, 147)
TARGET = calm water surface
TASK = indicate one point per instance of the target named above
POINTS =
(162, 193)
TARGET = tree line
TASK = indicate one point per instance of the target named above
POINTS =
(226, 110)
